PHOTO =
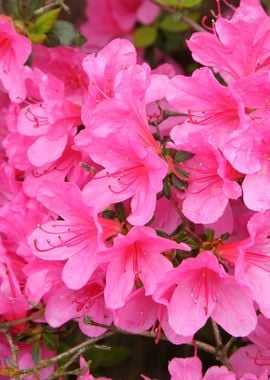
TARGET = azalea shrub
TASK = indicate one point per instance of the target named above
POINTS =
(134, 192)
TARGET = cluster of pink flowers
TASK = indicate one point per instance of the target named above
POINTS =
(111, 172)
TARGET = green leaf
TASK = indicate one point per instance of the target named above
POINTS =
(170, 3)
(209, 234)
(178, 183)
(120, 211)
(12, 8)
(161, 233)
(51, 341)
(45, 22)
(31, 7)
(52, 40)
(172, 24)
(36, 352)
(167, 191)
(182, 155)
(190, 3)
(108, 214)
(37, 38)
(106, 359)
(145, 36)
(67, 34)
(225, 236)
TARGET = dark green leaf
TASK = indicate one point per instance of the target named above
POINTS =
(108, 214)
(182, 173)
(120, 211)
(162, 233)
(105, 359)
(178, 183)
(171, 24)
(167, 191)
(145, 36)
(209, 234)
(12, 8)
(36, 352)
(51, 341)
(31, 7)
(224, 236)
(51, 41)
(182, 155)
(67, 34)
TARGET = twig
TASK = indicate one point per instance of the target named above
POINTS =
(201, 345)
(14, 352)
(79, 348)
(193, 24)
(52, 5)
(217, 335)
(7, 325)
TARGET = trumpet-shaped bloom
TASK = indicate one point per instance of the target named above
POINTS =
(133, 258)
(14, 52)
(239, 47)
(76, 238)
(200, 288)
(131, 171)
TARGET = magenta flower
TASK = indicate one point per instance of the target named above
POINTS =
(135, 258)
(211, 182)
(238, 47)
(200, 288)
(191, 369)
(14, 52)
(131, 171)
(76, 238)
(252, 260)
(211, 108)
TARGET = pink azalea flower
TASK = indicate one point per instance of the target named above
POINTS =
(191, 369)
(76, 238)
(86, 373)
(64, 63)
(211, 182)
(131, 171)
(102, 69)
(251, 259)
(13, 304)
(133, 258)
(200, 288)
(238, 47)
(50, 122)
(251, 359)
(63, 304)
(25, 359)
(115, 20)
(140, 313)
(214, 109)
(14, 52)
(124, 106)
